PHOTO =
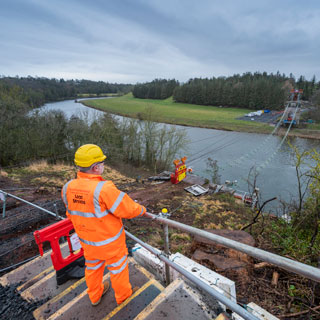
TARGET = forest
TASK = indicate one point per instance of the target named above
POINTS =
(156, 89)
(250, 90)
(37, 91)
(25, 137)
(27, 134)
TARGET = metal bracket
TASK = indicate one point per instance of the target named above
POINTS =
(164, 215)
(3, 197)
(196, 189)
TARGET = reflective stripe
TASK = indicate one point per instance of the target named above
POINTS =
(97, 208)
(140, 212)
(96, 267)
(93, 261)
(96, 195)
(118, 263)
(82, 214)
(117, 202)
(98, 213)
(119, 270)
(104, 242)
(64, 192)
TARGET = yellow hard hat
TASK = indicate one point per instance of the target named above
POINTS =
(87, 155)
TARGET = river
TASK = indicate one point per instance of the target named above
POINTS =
(236, 153)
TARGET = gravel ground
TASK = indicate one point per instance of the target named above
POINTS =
(12, 306)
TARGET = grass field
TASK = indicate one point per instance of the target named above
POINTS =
(90, 95)
(168, 111)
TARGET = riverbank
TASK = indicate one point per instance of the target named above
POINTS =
(304, 133)
(167, 111)
(94, 95)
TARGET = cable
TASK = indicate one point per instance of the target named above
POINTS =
(218, 148)
(19, 246)
(19, 263)
(214, 143)
(206, 148)
(254, 151)
(206, 138)
(259, 168)
(37, 219)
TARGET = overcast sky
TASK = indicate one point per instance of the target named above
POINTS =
(132, 41)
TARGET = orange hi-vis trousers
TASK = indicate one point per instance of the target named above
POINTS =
(119, 276)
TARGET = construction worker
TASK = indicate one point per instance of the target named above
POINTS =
(96, 208)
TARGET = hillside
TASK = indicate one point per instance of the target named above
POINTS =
(43, 184)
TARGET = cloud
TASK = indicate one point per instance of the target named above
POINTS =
(136, 41)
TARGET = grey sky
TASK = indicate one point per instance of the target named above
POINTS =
(140, 40)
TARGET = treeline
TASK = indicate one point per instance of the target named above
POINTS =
(309, 88)
(38, 91)
(253, 91)
(157, 89)
(27, 135)
(250, 90)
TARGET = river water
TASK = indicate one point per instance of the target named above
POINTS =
(235, 152)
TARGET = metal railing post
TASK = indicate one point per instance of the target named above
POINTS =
(282, 262)
(227, 302)
(165, 214)
(31, 204)
(56, 210)
(167, 252)
(4, 205)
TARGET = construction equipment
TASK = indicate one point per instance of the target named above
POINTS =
(180, 170)
(70, 267)
(293, 110)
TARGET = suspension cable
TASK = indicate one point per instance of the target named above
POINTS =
(254, 151)
(266, 162)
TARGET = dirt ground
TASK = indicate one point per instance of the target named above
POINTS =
(43, 182)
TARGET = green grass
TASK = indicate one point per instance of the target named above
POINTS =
(168, 111)
(89, 95)
(313, 126)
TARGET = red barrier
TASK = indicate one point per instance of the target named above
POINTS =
(52, 234)
(180, 170)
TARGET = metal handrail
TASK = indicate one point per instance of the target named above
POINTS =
(213, 292)
(229, 303)
(282, 262)
(6, 194)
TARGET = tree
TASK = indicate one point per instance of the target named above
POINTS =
(157, 89)
(255, 91)
(316, 98)
(311, 219)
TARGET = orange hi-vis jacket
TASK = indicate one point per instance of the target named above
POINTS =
(96, 208)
